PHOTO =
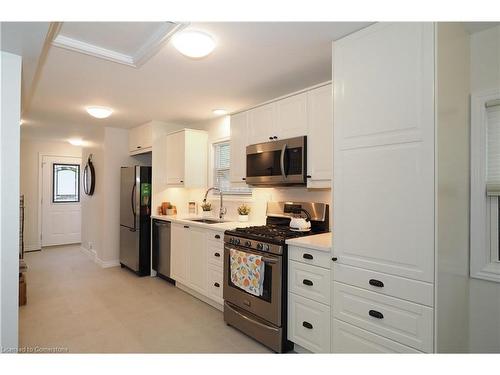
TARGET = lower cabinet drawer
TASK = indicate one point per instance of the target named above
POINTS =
(347, 338)
(395, 286)
(402, 321)
(309, 281)
(215, 253)
(215, 284)
(310, 256)
(309, 324)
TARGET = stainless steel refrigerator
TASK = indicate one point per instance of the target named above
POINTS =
(135, 222)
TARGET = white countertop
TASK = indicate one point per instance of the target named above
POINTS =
(321, 241)
(219, 226)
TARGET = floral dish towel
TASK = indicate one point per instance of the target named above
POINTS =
(247, 271)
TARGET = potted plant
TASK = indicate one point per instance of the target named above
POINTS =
(207, 209)
(243, 212)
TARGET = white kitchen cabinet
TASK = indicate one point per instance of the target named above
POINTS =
(291, 116)
(179, 252)
(320, 137)
(261, 124)
(197, 262)
(239, 141)
(384, 149)
(186, 164)
(140, 139)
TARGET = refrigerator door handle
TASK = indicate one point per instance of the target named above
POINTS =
(132, 201)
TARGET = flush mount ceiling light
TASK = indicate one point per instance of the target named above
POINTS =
(219, 112)
(194, 44)
(99, 112)
(76, 141)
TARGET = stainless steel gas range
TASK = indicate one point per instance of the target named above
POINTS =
(264, 316)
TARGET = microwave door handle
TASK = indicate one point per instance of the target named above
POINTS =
(282, 161)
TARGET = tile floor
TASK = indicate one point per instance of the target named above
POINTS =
(74, 304)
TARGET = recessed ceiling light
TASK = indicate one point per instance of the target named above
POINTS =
(99, 112)
(194, 44)
(76, 141)
(219, 112)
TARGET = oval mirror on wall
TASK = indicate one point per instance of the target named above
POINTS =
(89, 177)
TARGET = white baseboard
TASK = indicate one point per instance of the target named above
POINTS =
(32, 247)
(102, 263)
(201, 297)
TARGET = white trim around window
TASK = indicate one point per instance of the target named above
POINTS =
(484, 252)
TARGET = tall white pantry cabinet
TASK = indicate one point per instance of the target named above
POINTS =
(384, 189)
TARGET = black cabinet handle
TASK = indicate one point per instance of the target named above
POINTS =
(271, 138)
(307, 282)
(243, 178)
(307, 256)
(138, 146)
(307, 325)
(217, 255)
(334, 259)
(308, 176)
(376, 283)
(376, 314)
(275, 137)
(217, 236)
(217, 285)
(186, 226)
(181, 181)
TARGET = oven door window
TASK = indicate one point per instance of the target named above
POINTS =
(268, 280)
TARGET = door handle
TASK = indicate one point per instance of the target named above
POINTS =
(307, 282)
(376, 314)
(376, 283)
(282, 161)
(132, 203)
(307, 325)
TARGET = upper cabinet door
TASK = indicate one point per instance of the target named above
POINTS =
(383, 79)
(140, 139)
(261, 124)
(238, 128)
(320, 137)
(291, 116)
(176, 158)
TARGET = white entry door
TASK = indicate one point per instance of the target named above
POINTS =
(61, 213)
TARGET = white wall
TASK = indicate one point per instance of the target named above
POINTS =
(101, 211)
(30, 151)
(484, 303)
(452, 98)
(10, 71)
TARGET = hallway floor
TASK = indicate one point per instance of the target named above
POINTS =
(79, 307)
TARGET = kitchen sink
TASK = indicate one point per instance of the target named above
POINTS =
(208, 221)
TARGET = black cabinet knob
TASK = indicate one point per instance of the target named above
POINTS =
(334, 259)
(307, 282)
(217, 236)
(376, 283)
(217, 255)
(307, 325)
(217, 285)
(307, 256)
(376, 314)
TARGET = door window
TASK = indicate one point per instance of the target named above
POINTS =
(66, 183)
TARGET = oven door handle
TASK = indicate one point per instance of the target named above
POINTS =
(264, 258)
(282, 161)
(269, 260)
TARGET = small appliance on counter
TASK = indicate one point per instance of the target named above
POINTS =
(135, 223)
(257, 306)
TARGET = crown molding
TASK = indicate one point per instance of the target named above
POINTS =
(148, 49)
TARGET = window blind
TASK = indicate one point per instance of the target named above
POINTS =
(493, 150)
(221, 170)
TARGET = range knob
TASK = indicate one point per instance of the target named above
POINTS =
(260, 246)
(231, 240)
(236, 241)
(248, 243)
(266, 247)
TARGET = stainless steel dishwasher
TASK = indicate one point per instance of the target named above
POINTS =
(161, 249)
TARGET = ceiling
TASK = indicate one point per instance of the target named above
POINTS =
(252, 63)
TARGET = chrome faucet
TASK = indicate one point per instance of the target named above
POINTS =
(222, 209)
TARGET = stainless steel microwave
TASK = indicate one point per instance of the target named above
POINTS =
(277, 163)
